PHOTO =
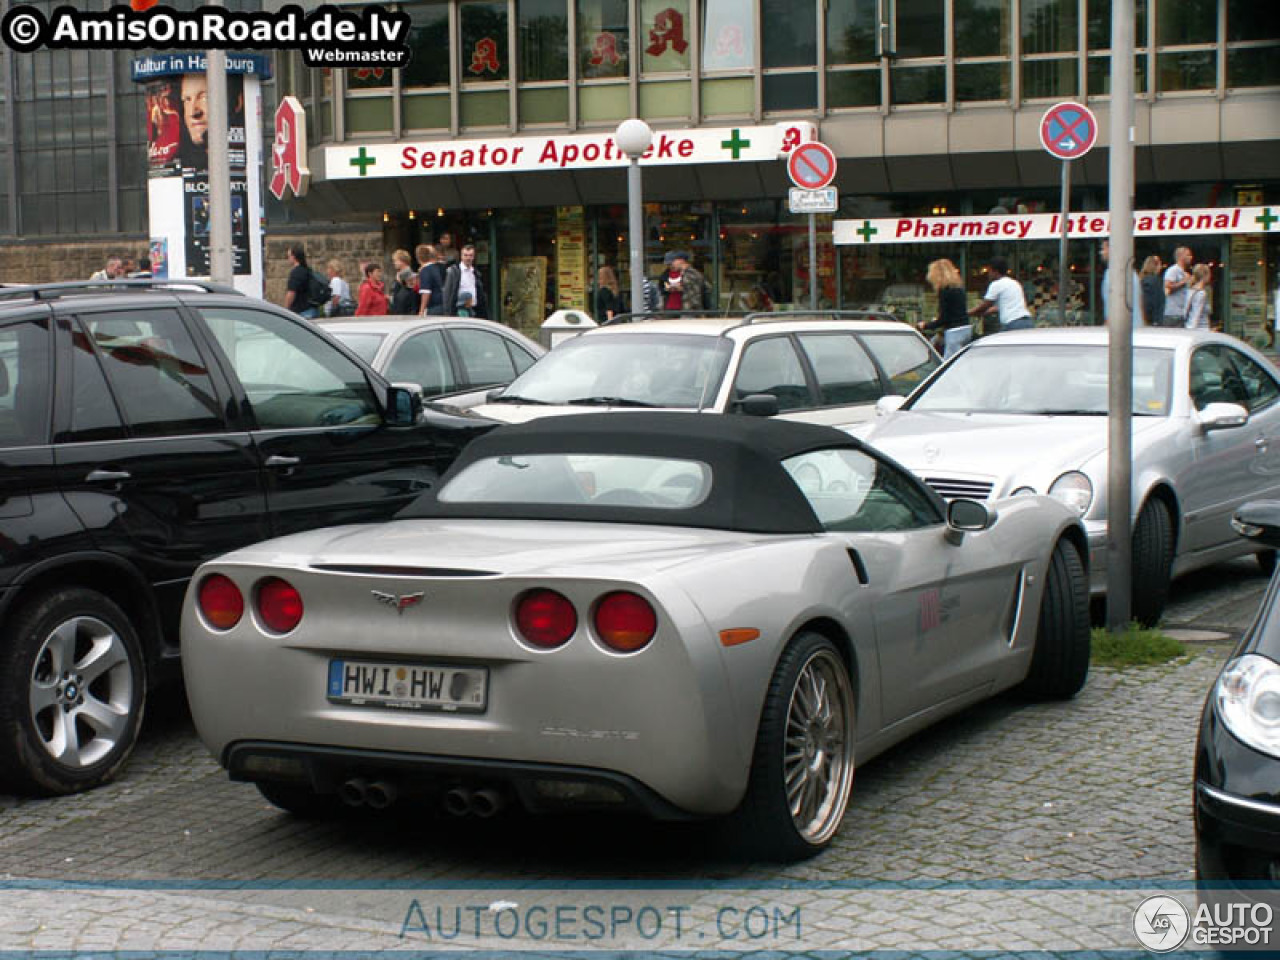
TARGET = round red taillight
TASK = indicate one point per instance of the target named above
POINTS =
(279, 605)
(220, 602)
(625, 622)
(546, 619)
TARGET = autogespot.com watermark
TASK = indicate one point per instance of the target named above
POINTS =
(328, 36)
(1163, 923)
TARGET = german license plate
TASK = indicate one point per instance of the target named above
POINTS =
(408, 686)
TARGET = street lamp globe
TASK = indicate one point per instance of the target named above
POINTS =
(633, 137)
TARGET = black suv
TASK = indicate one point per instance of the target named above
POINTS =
(145, 427)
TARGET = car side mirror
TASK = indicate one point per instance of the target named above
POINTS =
(759, 405)
(1259, 520)
(889, 403)
(1223, 416)
(412, 388)
(493, 395)
(404, 407)
(964, 516)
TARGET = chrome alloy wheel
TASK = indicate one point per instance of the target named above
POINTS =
(817, 761)
(81, 692)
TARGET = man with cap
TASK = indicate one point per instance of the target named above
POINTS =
(683, 288)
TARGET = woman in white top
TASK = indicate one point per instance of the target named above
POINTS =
(1198, 305)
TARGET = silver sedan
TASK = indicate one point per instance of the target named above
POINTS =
(1026, 412)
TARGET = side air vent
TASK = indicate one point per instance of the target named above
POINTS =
(952, 488)
(859, 567)
(384, 571)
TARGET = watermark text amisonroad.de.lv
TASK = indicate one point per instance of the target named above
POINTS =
(327, 36)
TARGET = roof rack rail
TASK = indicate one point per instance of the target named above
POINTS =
(52, 291)
(760, 317)
(670, 315)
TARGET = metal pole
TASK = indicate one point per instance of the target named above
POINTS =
(1062, 244)
(635, 226)
(220, 265)
(1120, 321)
(813, 261)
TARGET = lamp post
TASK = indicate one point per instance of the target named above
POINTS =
(633, 138)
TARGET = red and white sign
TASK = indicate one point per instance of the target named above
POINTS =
(1068, 130)
(811, 166)
(289, 151)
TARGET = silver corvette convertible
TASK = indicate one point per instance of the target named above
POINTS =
(681, 615)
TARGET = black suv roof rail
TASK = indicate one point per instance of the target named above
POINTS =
(52, 291)
(669, 315)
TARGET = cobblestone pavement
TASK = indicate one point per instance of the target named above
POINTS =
(1026, 818)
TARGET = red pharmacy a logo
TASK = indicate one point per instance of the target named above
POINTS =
(141, 5)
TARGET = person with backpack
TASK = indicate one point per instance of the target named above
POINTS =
(299, 296)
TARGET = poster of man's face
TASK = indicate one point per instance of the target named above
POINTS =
(195, 107)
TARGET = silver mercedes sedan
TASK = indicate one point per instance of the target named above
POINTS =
(669, 613)
(1026, 412)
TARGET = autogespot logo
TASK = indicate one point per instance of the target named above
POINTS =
(1161, 924)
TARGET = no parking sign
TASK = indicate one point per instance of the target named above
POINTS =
(1068, 130)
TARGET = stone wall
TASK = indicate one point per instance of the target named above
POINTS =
(353, 247)
(49, 261)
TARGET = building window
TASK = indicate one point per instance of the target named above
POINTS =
(543, 35)
(981, 31)
(728, 36)
(603, 39)
(1253, 44)
(790, 54)
(1098, 28)
(484, 42)
(664, 36)
(853, 68)
(1050, 38)
(1187, 33)
(428, 39)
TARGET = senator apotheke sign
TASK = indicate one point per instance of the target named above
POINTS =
(1048, 226)
(585, 151)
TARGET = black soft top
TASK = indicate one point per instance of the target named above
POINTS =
(750, 490)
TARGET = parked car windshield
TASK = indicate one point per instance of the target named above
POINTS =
(570, 478)
(365, 345)
(642, 370)
(1045, 379)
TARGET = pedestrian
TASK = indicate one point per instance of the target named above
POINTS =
(952, 326)
(298, 295)
(1199, 305)
(400, 260)
(373, 298)
(1152, 282)
(1004, 305)
(430, 280)
(1134, 298)
(1177, 288)
(683, 287)
(341, 303)
(448, 252)
(463, 277)
(109, 271)
(608, 298)
(404, 293)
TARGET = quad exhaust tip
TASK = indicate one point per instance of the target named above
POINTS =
(483, 803)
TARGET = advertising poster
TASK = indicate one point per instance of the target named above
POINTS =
(164, 121)
(1244, 314)
(571, 258)
(524, 291)
(160, 258)
(195, 194)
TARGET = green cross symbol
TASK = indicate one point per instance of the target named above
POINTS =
(363, 161)
(735, 143)
(1267, 219)
(866, 231)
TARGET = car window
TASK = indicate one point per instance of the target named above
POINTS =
(606, 480)
(851, 491)
(1259, 386)
(905, 357)
(520, 357)
(484, 356)
(1214, 379)
(363, 345)
(424, 360)
(25, 360)
(770, 365)
(94, 415)
(292, 376)
(156, 374)
(845, 373)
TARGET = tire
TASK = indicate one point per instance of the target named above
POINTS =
(300, 801)
(1060, 661)
(769, 823)
(1266, 562)
(1152, 562)
(72, 693)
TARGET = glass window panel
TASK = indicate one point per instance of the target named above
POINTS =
(982, 81)
(1188, 71)
(790, 33)
(728, 35)
(368, 78)
(1049, 78)
(484, 356)
(918, 84)
(845, 373)
(668, 99)
(1251, 20)
(1100, 75)
(133, 210)
(542, 106)
(920, 30)
(664, 35)
(1254, 67)
(428, 38)
(93, 411)
(851, 31)
(543, 29)
(728, 96)
(1190, 21)
(484, 42)
(853, 88)
(791, 91)
(604, 102)
(982, 28)
(24, 403)
(770, 365)
(1099, 24)
(369, 115)
(484, 108)
(1049, 26)
(423, 360)
(603, 38)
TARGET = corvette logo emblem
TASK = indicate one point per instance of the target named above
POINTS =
(399, 603)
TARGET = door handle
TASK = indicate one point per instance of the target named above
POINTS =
(1261, 444)
(275, 460)
(107, 476)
